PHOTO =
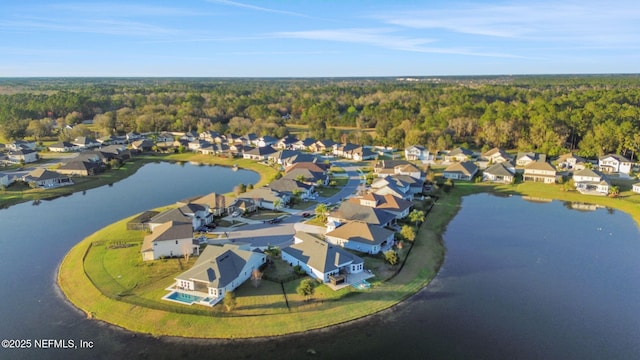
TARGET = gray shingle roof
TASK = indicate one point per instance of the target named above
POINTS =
(319, 254)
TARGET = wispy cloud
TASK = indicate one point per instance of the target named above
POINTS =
(586, 21)
(125, 10)
(384, 38)
(258, 8)
(94, 26)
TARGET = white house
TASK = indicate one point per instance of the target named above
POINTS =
(218, 270)
(169, 239)
(495, 156)
(63, 146)
(321, 260)
(614, 163)
(5, 180)
(591, 182)
(540, 171)
(362, 237)
(525, 158)
(26, 156)
(571, 161)
(266, 141)
(195, 214)
(636, 188)
(259, 153)
(418, 152)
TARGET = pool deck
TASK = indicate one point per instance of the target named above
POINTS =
(352, 279)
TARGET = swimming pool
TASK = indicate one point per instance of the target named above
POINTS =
(362, 285)
(183, 298)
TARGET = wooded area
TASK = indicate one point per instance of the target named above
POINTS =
(591, 115)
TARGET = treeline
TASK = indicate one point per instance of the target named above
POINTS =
(592, 115)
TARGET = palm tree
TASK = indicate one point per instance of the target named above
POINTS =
(321, 212)
(416, 216)
(614, 191)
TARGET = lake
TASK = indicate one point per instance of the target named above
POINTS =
(521, 280)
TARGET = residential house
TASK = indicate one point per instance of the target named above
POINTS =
(292, 187)
(304, 158)
(218, 270)
(322, 146)
(217, 203)
(118, 152)
(197, 144)
(540, 171)
(249, 139)
(465, 170)
(303, 144)
(113, 140)
(286, 142)
(394, 205)
(22, 156)
(195, 214)
(418, 153)
(321, 260)
(133, 136)
(402, 186)
(495, 156)
(266, 198)
(5, 180)
(307, 176)
(502, 172)
(213, 149)
(45, 178)
(243, 204)
(165, 137)
(209, 136)
(344, 150)
(259, 153)
(190, 136)
(397, 167)
(591, 182)
(142, 145)
(525, 158)
(310, 165)
(169, 239)
(571, 161)
(85, 142)
(362, 237)
(614, 163)
(266, 141)
(233, 139)
(238, 149)
(349, 211)
(282, 156)
(636, 188)
(63, 146)
(21, 145)
(458, 154)
(362, 153)
(80, 168)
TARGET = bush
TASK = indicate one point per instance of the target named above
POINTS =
(299, 270)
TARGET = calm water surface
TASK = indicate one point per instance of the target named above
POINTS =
(521, 280)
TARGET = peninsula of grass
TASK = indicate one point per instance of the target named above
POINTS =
(114, 285)
(18, 192)
(104, 276)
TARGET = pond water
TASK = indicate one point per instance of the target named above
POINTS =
(521, 280)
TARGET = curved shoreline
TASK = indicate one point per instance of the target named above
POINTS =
(434, 229)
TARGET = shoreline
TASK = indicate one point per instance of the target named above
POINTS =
(7, 199)
(417, 282)
(434, 227)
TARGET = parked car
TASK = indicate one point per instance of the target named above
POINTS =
(305, 214)
(236, 213)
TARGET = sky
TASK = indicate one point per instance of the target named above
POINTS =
(331, 38)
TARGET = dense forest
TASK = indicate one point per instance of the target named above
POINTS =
(591, 115)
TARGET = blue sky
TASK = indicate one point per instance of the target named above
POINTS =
(248, 38)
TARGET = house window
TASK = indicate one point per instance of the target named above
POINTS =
(176, 242)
